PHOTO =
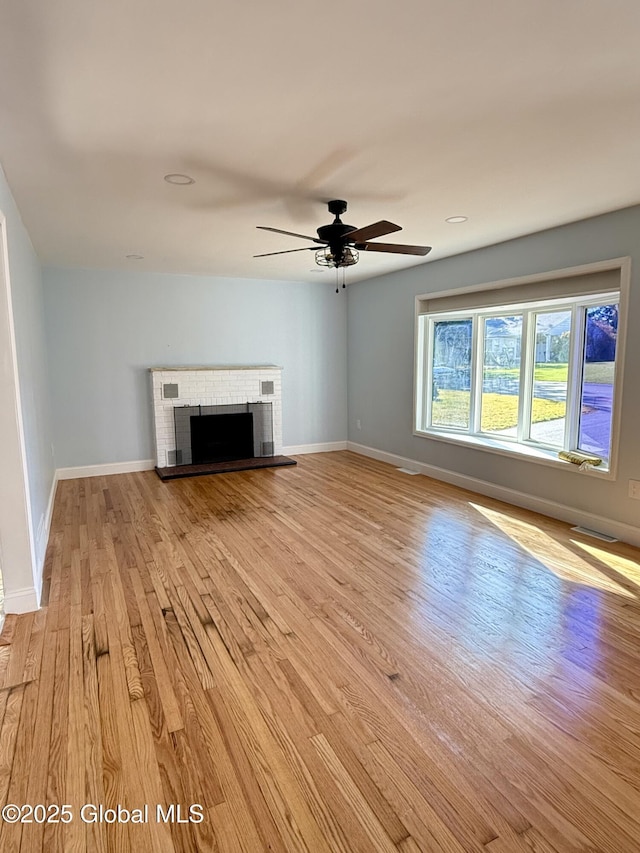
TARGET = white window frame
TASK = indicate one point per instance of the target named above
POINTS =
(521, 445)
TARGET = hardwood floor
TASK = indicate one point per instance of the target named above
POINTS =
(331, 657)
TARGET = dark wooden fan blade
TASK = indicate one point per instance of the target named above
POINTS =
(286, 251)
(397, 248)
(289, 233)
(378, 229)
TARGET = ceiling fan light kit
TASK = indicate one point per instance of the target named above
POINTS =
(326, 258)
(342, 243)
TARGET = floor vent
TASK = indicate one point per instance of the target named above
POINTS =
(408, 471)
(596, 535)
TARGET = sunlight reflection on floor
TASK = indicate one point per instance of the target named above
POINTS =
(563, 562)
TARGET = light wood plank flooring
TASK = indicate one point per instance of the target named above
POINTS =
(332, 657)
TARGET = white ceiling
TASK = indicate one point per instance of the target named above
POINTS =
(520, 114)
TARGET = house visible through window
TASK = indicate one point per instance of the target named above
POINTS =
(535, 376)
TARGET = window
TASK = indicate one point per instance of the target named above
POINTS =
(534, 377)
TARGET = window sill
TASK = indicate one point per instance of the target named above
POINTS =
(541, 456)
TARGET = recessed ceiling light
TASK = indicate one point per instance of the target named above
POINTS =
(456, 219)
(135, 257)
(181, 180)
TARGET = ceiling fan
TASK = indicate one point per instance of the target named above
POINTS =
(341, 243)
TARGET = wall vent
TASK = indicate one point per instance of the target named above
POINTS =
(266, 388)
(170, 391)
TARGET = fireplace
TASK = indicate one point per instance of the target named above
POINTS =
(221, 438)
(225, 433)
(228, 413)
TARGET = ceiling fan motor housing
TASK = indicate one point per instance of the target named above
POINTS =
(335, 233)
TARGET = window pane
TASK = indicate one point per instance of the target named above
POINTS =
(551, 370)
(451, 385)
(501, 374)
(600, 339)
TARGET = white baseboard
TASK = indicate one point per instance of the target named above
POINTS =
(620, 530)
(43, 538)
(49, 513)
(326, 447)
(149, 464)
(104, 470)
(27, 598)
(21, 600)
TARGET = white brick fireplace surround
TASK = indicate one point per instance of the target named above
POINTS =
(211, 386)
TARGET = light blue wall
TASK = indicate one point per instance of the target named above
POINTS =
(381, 355)
(28, 319)
(105, 329)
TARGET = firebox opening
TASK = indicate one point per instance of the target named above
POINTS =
(211, 434)
(221, 437)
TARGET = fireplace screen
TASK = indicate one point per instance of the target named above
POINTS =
(222, 433)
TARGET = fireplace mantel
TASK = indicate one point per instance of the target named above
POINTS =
(209, 386)
(191, 369)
